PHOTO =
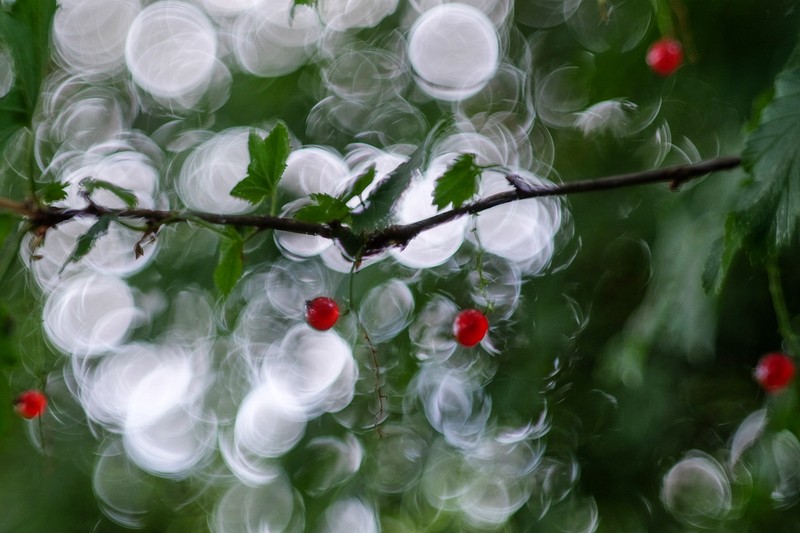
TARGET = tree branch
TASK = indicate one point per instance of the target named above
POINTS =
(400, 235)
(395, 235)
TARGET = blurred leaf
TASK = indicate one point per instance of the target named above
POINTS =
(25, 30)
(267, 164)
(305, 3)
(230, 264)
(53, 192)
(9, 351)
(87, 240)
(767, 222)
(12, 116)
(11, 232)
(359, 184)
(743, 229)
(325, 209)
(381, 203)
(458, 184)
(89, 185)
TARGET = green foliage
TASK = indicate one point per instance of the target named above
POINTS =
(325, 208)
(25, 32)
(458, 184)
(359, 185)
(230, 262)
(384, 198)
(87, 240)
(11, 232)
(767, 222)
(89, 185)
(267, 164)
(52, 192)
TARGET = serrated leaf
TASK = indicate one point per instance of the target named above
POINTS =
(267, 164)
(90, 185)
(86, 241)
(325, 208)
(54, 191)
(359, 185)
(767, 221)
(387, 193)
(772, 157)
(230, 263)
(458, 184)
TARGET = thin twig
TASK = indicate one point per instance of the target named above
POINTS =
(395, 235)
(400, 235)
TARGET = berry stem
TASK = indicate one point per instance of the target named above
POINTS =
(376, 369)
(483, 282)
(779, 304)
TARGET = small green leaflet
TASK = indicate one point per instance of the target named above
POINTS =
(52, 192)
(767, 222)
(267, 164)
(87, 240)
(359, 185)
(382, 201)
(89, 185)
(458, 184)
(325, 208)
(230, 263)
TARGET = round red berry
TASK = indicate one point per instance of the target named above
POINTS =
(470, 327)
(774, 371)
(322, 313)
(30, 404)
(665, 56)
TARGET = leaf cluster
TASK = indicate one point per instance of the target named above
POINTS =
(766, 223)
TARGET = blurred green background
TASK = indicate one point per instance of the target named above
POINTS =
(651, 366)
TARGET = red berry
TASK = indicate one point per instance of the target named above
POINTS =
(665, 56)
(774, 371)
(470, 327)
(322, 313)
(30, 404)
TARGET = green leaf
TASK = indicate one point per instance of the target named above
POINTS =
(89, 185)
(53, 192)
(766, 223)
(325, 208)
(11, 232)
(230, 263)
(772, 157)
(359, 185)
(25, 31)
(267, 165)
(382, 201)
(458, 184)
(87, 240)
(305, 3)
